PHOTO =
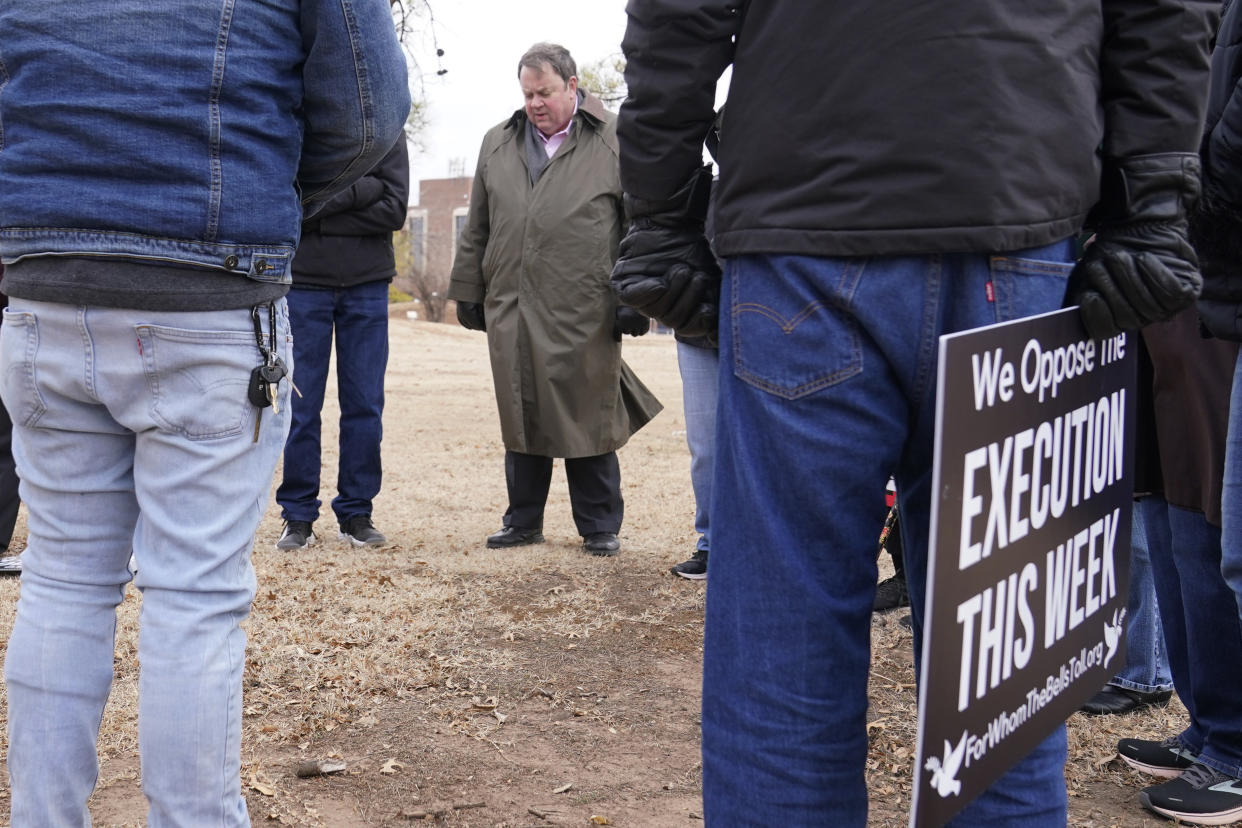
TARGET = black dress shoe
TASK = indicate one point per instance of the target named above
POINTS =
(891, 593)
(514, 536)
(603, 544)
(1112, 700)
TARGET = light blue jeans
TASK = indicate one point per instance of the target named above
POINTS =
(133, 430)
(699, 369)
(1147, 658)
(828, 384)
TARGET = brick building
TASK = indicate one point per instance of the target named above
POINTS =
(432, 226)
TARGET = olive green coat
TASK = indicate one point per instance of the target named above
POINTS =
(538, 258)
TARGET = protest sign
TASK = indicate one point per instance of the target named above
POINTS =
(1028, 565)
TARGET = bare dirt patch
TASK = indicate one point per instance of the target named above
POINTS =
(531, 687)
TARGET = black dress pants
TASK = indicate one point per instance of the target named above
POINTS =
(594, 491)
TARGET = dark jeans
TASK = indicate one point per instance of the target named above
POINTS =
(359, 316)
(594, 491)
(1201, 630)
(9, 501)
(827, 386)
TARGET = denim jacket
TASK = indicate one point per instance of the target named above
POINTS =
(188, 133)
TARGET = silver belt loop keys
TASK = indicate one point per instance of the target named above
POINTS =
(265, 379)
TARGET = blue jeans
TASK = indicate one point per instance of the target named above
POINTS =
(828, 384)
(1231, 498)
(1201, 629)
(359, 316)
(133, 431)
(1147, 662)
(699, 369)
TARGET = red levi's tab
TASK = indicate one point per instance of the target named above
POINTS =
(991, 292)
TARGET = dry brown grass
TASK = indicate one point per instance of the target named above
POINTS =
(445, 674)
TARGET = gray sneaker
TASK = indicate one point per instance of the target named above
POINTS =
(297, 535)
(359, 531)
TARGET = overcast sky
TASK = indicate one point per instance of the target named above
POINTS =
(482, 41)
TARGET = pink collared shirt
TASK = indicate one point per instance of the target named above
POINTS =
(551, 143)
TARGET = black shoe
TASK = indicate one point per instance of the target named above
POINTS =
(10, 565)
(297, 535)
(694, 569)
(514, 536)
(602, 544)
(1168, 758)
(359, 531)
(1112, 700)
(890, 594)
(1200, 796)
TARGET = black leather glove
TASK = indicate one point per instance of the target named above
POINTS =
(665, 269)
(470, 315)
(629, 321)
(1141, 267)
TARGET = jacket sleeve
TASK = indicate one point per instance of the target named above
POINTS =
(374, 204)
(355, 94)
(466, 283)
(1216, 222)
(675, 52)
(1222, 145)
(1154, 74)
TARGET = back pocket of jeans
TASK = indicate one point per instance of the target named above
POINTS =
(19, 345)
(1025, 286)
(199, 379)
(792, 337)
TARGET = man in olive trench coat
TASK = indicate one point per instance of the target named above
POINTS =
(532, 269)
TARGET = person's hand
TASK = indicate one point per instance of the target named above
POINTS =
(470, 315)
(666, 269)
(629, 321)
(1140, 268)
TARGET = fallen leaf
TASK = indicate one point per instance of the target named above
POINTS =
(391, 766)
(564, 788)
(261, 787)
(596, 819)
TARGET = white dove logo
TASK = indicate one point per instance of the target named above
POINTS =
(944, 772)
(1112, 634)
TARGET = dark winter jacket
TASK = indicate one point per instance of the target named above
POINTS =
(1183, 415)
(349, 241)
(1216, 225)
(890, 127)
